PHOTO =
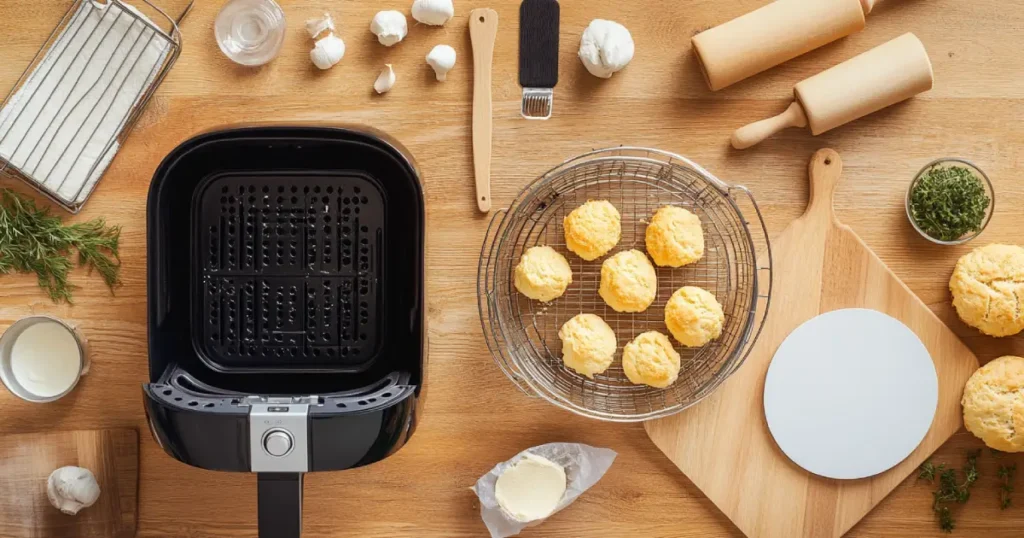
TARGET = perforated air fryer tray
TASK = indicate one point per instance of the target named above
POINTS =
(286, 260)
(288, 273)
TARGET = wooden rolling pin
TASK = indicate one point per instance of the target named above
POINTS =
(883, 76)
(773, 34)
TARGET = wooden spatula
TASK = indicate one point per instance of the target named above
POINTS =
(483, 28)
(723, 444)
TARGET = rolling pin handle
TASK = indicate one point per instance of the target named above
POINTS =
(867, 5)
(757, 132)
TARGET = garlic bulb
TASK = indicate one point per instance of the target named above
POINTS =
(71, 489)
(315, 27)
(606, 47)
(442, 59)
(389, 27)
(385, 80)
(327, 52)
(433, 12)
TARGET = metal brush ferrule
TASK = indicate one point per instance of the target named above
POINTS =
(538, 103)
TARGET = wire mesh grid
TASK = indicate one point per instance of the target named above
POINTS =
(523, 334)
(104, 66)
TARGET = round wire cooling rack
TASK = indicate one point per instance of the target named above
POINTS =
(522, 334)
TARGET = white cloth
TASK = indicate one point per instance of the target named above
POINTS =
(61, 127)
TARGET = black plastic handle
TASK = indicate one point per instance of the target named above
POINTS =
(538, 43)
(279, 497)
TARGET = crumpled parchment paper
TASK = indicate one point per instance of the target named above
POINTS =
(584, 465)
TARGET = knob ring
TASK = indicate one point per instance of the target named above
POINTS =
(266, 436)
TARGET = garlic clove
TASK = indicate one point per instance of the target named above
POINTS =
(70, 489)
(606, 47)
(433, 12)
(442, 59)
(321, 25)
(327, 52)
(385, 81)
(390, 27)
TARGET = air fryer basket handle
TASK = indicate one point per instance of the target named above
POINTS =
(279, 496)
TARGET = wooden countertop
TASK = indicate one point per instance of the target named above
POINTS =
(473, 416)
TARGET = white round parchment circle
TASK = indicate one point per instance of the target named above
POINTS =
(850, 393)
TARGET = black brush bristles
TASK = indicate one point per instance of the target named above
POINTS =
(538, 43)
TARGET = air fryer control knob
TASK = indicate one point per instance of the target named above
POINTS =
(277, 442)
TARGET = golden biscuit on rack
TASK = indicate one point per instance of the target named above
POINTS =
(592, 229)
(542, 274)
(694, 316)
(993, 404)
(651, 360)
(988, 289)
(674, 237)
(588, 344)
(628, 282)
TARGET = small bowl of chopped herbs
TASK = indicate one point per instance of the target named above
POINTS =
(950, 201)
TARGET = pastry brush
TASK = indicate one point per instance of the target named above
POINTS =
(538, 56)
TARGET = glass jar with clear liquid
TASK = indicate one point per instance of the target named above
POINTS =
(250, 32)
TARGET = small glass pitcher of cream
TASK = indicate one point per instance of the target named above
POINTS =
(42, 358)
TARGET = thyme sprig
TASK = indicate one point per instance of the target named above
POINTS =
(1006, 474)
(950, 489)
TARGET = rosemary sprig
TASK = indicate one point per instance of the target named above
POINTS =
(1006, 474)
(34, 241)
(949, 202)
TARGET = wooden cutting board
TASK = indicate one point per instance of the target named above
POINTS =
(723, 444)
(26, 461)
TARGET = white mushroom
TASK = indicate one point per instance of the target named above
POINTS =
(390, 27)
(327, 52)
(321, 25)
(606, 47)
(433, 12)
(385, 80)
(442, 59)
(71, 489)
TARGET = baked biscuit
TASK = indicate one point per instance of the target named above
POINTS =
(694, 316)
(588, 344)
(542, 274)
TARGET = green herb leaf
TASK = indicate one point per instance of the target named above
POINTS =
(33, 241)
(946, 522)
(1006, 474)
(926, 471)
(949, 202)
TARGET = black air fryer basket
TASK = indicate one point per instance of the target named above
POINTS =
(285, 286)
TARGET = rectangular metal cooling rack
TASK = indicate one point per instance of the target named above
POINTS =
(75, 104)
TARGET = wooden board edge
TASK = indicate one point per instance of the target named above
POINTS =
(128, 438)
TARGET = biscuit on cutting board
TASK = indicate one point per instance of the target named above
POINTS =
(993, 404)
(592, 229)
(988, 289)
(542, 274)
(588, 344)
